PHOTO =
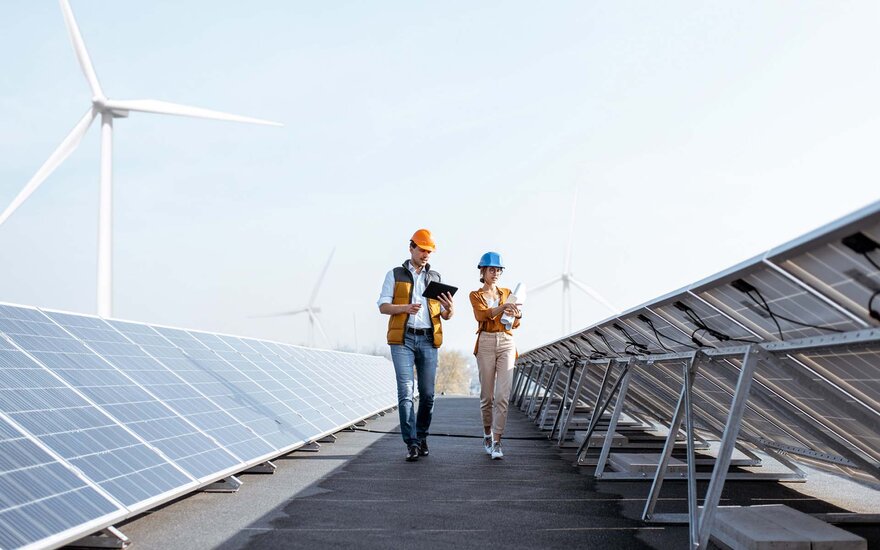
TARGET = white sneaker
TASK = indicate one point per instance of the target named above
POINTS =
(487, 443)
(496, 451)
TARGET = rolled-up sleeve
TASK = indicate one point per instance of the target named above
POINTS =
(481, 311)
(387, 294)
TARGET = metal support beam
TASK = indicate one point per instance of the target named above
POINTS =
(612, 424)
(674, 428)
(524, 387)
(689, 372)
(575, 399)
(533, 400)
(734, 419)
(600, 408)
(544, 406)
(571, 366)
(230, 484)
(109, 537)
(594, 417)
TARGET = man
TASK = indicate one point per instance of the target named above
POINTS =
(414, 334)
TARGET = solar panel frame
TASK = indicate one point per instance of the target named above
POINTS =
(267, 412)
(115, 348)
(790, 278)
(91, 331)
(307, 405)
(232, 432)
(34, 465)
(81, 415)
(261, 376)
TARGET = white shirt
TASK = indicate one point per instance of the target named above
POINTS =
(422, 319)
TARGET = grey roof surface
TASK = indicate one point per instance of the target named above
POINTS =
(360, 493)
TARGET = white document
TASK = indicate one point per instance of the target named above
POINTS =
(518, 296)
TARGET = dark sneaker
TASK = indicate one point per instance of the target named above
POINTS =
(423, 448)
(412, 453)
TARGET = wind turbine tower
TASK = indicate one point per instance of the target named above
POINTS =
(108, 110)
(568, 279)
(311, 309)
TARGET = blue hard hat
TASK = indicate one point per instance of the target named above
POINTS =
(491, 259)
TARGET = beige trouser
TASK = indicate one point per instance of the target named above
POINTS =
(496, 354)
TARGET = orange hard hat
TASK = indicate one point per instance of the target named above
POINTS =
(423, 239)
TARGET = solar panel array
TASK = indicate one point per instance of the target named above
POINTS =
(807, 312)
(103, 419)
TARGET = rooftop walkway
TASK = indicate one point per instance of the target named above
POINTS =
(360, 493)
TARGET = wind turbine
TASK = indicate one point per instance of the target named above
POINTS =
(567, 278)
(108, 110)
(311, 309)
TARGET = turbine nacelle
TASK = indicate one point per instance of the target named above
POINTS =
(100, 105)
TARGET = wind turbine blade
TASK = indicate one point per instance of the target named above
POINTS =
(321, 330)
(571, 232)
(542, 286)
(63, 151)
(282, 314)
(80, 48)
(595, 295)
(166, 108)
(321, 278)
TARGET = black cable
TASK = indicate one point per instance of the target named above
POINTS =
(766, 307)
(871, 311)
(862, 244)
(642, 349)
(596, 353)
(533, 438)
(658, 334)
(874, 314)
(697, 341)
(796, 322)
(701, 325)
(602, 336)
(747, 289)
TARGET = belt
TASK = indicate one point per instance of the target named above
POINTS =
(419, 331)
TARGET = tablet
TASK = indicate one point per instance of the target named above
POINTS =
(435, 289)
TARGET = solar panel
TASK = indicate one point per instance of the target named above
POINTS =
(53, 405)
(805, 313)
(173, 378)
(277, 395)
(235, 391)
(133, 404)
(101, 419)
(42, 498)
(296, 395)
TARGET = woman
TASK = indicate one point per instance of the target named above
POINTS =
(495, 350)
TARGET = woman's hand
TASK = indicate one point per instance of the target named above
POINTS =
(512, 309)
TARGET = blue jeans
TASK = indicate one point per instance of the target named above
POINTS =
(416, 351)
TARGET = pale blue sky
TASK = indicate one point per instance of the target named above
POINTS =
(699, 134)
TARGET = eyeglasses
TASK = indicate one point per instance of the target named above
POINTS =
(497, 270)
